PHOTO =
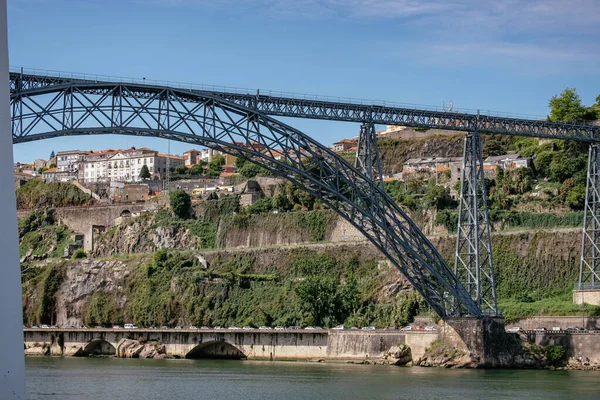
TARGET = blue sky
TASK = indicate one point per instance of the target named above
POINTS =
(509, 56)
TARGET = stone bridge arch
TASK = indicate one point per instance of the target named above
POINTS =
(216, 349)
(97, 347)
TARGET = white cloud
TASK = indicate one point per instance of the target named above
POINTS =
(562, 31)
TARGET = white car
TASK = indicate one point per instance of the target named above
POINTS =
(45, 326)
(514, 329)
(247, 328)
(131, 326)
(338, 327)
(233, 327)
(368, 328)
(279, 328)
(265, 327)
(430, 328)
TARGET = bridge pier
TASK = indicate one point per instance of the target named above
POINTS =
(587, 291)
(484, 338)
(473, 258)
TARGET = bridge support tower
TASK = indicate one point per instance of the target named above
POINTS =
(367, 154)
(587, 290)
(473, 258)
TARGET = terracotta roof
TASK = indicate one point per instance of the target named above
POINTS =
(23, 174)
(49, 171)
(171, 156)
(191, 150)
(348, 141)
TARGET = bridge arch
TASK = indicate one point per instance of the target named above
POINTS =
(216, 349)
(99, 347)
(125, 213)
(205, 119)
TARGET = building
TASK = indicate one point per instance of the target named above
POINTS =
(69, 164)
(406, 132)
(51, 175)
(126, 165)
(507, 161)
(192, 157)
(430, 165)
(22, 178)
(344, 145)
(132, 193)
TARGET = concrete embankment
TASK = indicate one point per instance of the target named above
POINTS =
(250, 344)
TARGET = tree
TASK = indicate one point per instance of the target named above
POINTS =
(195, 170)
(181, 204)
(567, 107)
(53, 165)
(180, 169)
(145, 172)
(218, 160)
(249, 170)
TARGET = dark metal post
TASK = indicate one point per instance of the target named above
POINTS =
(473, 259)
(367, 158)
(589, 267)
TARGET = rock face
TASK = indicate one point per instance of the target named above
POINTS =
(444, 355)
(137, 236)
(398, 355)
(127, 348)
(82, 280)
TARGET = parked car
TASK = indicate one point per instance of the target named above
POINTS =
(514, 329)
(164, 327)
(247, 327)
(430, 328)
(310, 328)
(193, 327)
(540, 329)
(131, 326)
(45, 326)
(233, 327)
(117, 327)
(279, 328)
(265, 327)
(178, 327)
(338, 327)
(35, 327)
(407, 328)
(368, 328)
(206, 327)
(218, 327)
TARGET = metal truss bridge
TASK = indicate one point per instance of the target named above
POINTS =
(47, 106)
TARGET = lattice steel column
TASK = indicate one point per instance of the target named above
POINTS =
(473, 263)
(367, 154)
(589, 268)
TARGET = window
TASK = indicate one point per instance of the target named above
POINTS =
(139, 161)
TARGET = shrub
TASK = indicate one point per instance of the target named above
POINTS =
(78, 254)
(181, 204)
(556, 355)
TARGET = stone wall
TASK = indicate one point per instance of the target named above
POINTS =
(584, 346)
(587, 297)
(361, 344)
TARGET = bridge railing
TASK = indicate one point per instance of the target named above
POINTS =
(85, 77)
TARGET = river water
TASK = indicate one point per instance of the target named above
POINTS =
(51, 378)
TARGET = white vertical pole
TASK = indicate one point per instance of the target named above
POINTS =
(12, 360)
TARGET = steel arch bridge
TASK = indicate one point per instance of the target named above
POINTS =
(51, 106)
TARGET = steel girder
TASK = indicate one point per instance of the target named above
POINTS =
(355, 112)
(185, 116)
(367, 158)
(473, 259)
(589, 267)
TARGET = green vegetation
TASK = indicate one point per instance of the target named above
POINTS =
(41, 307)
(249, 170)
(556, 355)
(301, 287)
(181, 204)
(78, 254)
(37, 194)
(145, 172)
